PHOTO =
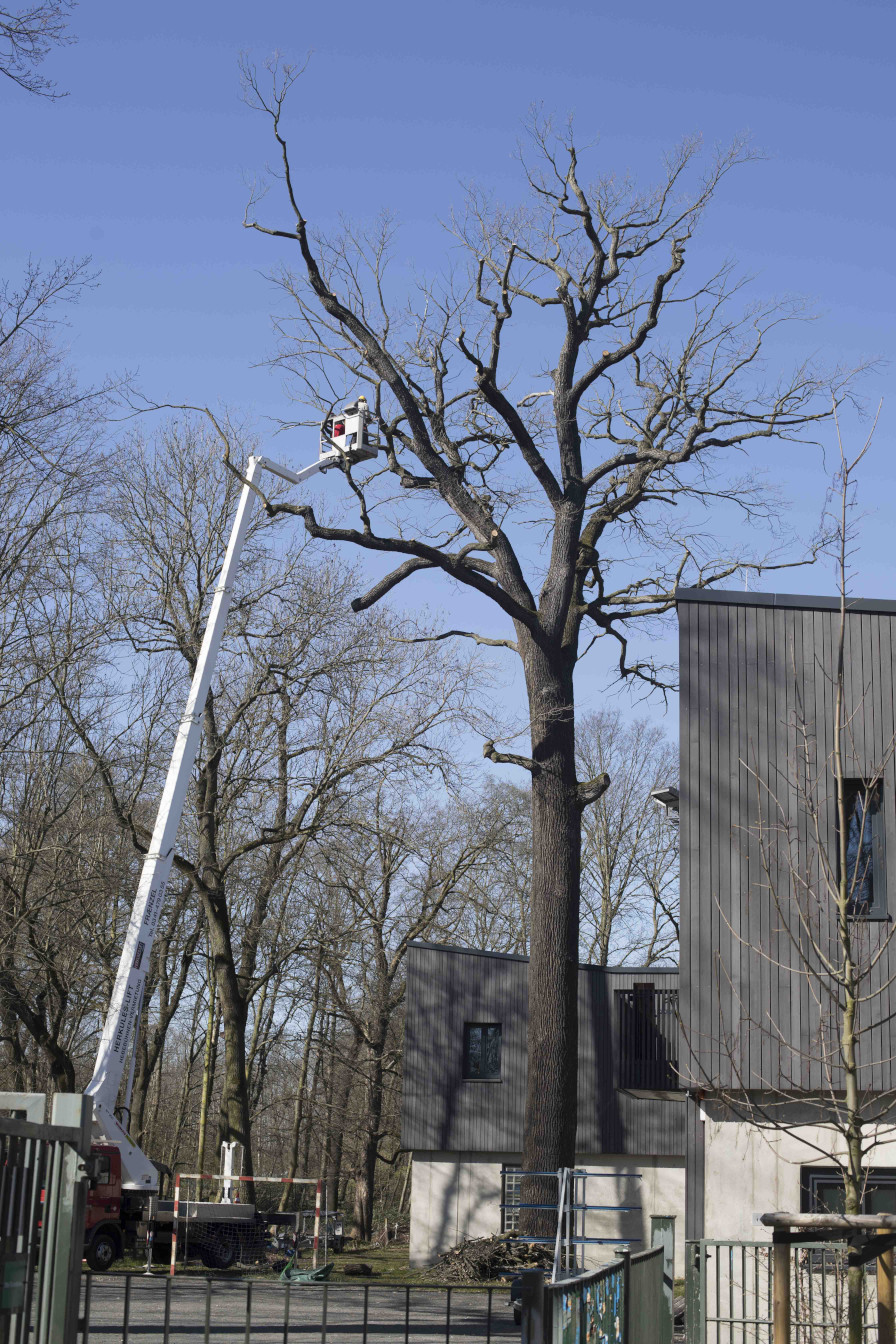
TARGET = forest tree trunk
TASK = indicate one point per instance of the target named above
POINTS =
(299, 1110)
(235, 1113)
(551, 1090)
(365, 1172)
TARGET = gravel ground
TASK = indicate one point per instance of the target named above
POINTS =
(234, 1311)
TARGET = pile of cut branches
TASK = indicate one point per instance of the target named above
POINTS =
(486, 1257)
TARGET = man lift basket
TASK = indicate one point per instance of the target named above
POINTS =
(350, 435)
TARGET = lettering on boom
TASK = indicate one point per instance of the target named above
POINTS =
(123, 1021)
(154, 908)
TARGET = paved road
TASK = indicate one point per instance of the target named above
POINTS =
(224, 1311)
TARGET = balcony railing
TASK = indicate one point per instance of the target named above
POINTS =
(648, 1038)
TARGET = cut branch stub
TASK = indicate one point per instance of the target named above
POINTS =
(491, 753)
(592, 789)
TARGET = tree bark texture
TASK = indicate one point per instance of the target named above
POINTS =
(551, 1089)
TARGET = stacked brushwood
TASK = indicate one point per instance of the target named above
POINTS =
(488, 1257)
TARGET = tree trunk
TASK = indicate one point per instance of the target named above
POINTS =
(365, 1172)
(62, 1068)
(550, 1119)
(405, 1186)
(142, 1079)
(9, 1032)
(854, 1176)
(336, 1136)
(235, 1113)
(309, 1122)
(212, 1031)
(299, 1110)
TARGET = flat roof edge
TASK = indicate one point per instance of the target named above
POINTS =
(793, 601)
(657, 969)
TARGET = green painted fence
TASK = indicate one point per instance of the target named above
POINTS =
(729, 1293)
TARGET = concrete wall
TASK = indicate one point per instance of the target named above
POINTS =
(454, 1196)
(458, 1195)
(752, 1170)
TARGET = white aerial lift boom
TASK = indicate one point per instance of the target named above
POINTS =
(346, 437)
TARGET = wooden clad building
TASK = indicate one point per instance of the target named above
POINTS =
(758, 827)
(464, 1088)
(443, 1110)
(675, 1075)
(757, 714)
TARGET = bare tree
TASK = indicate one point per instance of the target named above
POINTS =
(495, 910)
(62, 873)
(308, 703)
(401, 876)
(629, 846)
(50, 460)
(546, 491)
(27, 36)
(51, 432)
(629, 853)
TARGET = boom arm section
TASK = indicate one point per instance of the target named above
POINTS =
(122, 1016)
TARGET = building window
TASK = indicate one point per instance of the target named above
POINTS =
(822, 1190)
(482, 1050)
(865, 873)
(510, 1198)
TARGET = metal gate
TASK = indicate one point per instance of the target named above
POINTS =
(42, 1204)
(730, 1292)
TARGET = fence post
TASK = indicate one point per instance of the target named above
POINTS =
(625, 1255)
(61, 1260)
(781, 1257)
(885, 1296)
(662, 1233)
(536, 1328)
(694, 1304)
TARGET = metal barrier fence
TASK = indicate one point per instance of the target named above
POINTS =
(590, 1306)
(624, 1302)
(649, 1317)
(127, 1308)
(730, 1292)
(42, 1201)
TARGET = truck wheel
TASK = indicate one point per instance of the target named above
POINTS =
(218, 1254)
(102, 1252)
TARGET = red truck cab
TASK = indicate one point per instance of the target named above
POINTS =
(103, 1240)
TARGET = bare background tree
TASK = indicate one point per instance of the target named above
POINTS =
(537, 467)
(27, 36)
(629, 844)
(308, 706)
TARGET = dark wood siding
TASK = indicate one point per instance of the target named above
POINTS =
(444, 1112)
(757, 705)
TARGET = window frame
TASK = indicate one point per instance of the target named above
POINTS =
(469, 1077)
(812, 1177)
(879, 910)
(510, 1207)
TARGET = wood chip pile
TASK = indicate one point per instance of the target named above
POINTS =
(487, 1257)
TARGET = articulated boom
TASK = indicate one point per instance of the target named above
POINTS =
(123, 1015)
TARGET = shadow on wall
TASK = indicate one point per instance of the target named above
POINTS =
(598, 1096)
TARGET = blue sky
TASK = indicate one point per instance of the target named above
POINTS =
(145, 165)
